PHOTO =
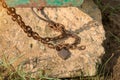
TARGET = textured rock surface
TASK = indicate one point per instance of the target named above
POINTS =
(14, 42)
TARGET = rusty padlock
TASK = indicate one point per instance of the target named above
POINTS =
(64, 53)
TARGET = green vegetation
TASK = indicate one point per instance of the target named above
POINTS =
(107, 8)
(8, 72)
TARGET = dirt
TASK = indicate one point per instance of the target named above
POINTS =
(112, 43)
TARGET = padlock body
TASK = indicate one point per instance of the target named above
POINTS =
(64, 53)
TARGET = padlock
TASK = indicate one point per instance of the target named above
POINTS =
(64, 53)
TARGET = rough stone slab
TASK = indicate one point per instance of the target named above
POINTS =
(14, 42)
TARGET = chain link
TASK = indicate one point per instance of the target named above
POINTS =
(55, 26)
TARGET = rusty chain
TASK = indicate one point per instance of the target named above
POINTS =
(55, 26)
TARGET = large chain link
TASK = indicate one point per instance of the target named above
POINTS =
(55, 26)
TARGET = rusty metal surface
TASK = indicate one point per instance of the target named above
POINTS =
(43, 3)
